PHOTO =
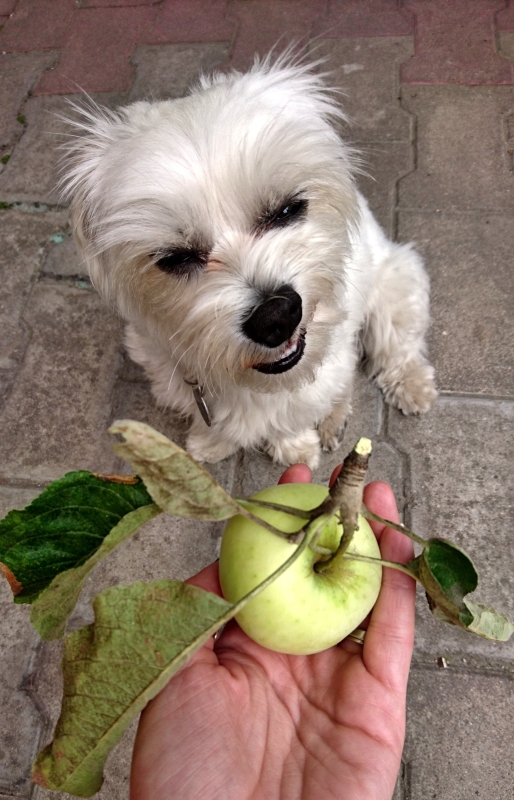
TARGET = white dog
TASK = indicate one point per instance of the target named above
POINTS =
(226, 228)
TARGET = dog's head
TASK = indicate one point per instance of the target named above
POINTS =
(219, 223)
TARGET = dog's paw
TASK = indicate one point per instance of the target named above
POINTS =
(205, 447)
(303, 448)
(411, 389)
(332, 428)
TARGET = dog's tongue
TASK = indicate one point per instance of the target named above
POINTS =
(291, 356)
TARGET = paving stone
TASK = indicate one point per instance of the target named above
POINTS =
(37, 25)
(456, 746)
(506, 43)
(7, 6)
(455, 44)
(115, 3)
(24, 240)
(167, 71)
(463, 160)
(96, 57)
(382, 165)
(18, 73)
(190, 21)
(504, 19)
(469, 259)
(32, 171)
(373, 18)
(22, 724)
(366, 71)
(265, 24)
(460, 456)
(57, 414)
(63, 258)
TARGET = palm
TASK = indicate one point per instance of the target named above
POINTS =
(241, 721)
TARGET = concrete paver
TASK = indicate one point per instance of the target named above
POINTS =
(25, 237)
(32, 171)
(455, 43)
(469, 260)
(456, 746)
(55, 417)
(430, 93)
(460, 460)
(167, 71)
(462, 155)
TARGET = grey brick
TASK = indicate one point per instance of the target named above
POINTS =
(382, 165)
(21, 722)
(463, 160)
(57, 414)
(460, 455)
(18, 74)
(32, 172)
(167, 71)
(25, 237)
(366, 70)
(469, 258)
(63, 259)
(456, 746)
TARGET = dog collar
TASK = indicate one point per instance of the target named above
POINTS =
(198, 394)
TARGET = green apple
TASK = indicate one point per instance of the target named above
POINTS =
(303, 611)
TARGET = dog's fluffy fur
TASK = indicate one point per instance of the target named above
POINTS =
(190, 213)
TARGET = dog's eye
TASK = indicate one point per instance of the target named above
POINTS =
(179, 262)
(292, 211)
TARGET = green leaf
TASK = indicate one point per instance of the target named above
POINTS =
(63, 527)
(50, 611)
(448, 574)
(141, 636)
(176, 482)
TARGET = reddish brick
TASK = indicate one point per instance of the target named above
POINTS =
(372, 18)
(190, 21)
(97, 55)
(454, 43)
(116, 3)
(37, 25)
(6, 7)
(505, 18)
(264, 24)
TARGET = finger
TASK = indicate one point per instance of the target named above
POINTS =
(334, 475)
(390, 636)
(208, 579)
(297, 473)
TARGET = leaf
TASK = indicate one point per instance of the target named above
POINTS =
(50, 611)
(176, 482)
(141, 636)
(63, 527)
(448, 574)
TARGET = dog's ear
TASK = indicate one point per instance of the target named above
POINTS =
(93, 131)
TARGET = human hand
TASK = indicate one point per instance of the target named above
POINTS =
(239, 721)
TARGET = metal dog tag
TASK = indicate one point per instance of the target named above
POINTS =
(200, 402)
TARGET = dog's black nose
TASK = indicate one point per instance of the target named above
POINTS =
(274, 321)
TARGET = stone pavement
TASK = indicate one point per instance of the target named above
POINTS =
(430, 91)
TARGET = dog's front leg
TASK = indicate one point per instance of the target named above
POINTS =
(332, 427)
(208, 444)
(303, 448)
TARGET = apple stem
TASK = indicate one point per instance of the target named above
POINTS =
(345, 497)
(398, 526)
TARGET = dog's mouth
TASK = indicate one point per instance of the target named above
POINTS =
(289, 358)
